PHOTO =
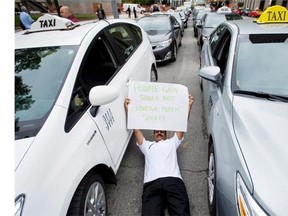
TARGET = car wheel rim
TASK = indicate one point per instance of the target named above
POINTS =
(211, 178)
(95, 203)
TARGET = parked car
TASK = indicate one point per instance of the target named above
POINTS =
(238, 10)
(245, 96)
(164, 33)
(70, 131)
(211, 20)
(198, 16)
(255, 13)
(180, 21)
(184, 18)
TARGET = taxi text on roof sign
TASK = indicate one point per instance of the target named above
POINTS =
(274, 14)
(51, 22)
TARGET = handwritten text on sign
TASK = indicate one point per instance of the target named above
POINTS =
(162, 106)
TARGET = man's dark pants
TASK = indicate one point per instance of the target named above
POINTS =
(165, 192)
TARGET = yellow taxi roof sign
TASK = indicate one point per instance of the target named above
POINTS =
(274, 14)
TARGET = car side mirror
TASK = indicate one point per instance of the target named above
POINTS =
(176, 26)
(102, 94)
(211, 73)
(199, 24)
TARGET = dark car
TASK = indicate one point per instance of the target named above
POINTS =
(210, 21)
(164, 33)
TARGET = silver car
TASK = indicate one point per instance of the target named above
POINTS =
(210, 21)
(245, 96)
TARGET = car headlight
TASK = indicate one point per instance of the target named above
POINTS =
(247, 205)
(163, 43)
(19, 203)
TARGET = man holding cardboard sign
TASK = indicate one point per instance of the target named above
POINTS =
(163, 184)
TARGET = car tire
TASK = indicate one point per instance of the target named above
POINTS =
(174, 58)
(195, 33)
(201, 83)
(211, 180)
(154, 75)
(90, 197)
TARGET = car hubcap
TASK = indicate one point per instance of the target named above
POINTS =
(211, 178)
(95, 203)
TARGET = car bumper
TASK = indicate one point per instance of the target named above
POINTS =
(163, 54)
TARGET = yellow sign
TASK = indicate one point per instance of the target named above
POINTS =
(274, 14)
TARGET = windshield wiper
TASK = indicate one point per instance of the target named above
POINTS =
(263, 95)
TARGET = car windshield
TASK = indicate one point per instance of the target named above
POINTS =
(266, 72)
(39, 75)
(214, 21)
(155, 24)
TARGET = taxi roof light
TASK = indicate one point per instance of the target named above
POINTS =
(274, 14)
(51, 22)
(224, 9)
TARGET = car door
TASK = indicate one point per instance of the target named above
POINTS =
(215, 53)
(118, 46)
(176, 30)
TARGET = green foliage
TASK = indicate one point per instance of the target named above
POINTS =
(240, 4)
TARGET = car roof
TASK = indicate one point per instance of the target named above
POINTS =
(158, 15)
(250, 27)
(73, 35)
(210, 13)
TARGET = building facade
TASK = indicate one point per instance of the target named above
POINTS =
(77, 6)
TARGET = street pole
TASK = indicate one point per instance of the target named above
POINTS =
(115, 8)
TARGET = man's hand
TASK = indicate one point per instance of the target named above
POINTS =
(191, 101)
(180, 134)
(137, 133)
(126, 103)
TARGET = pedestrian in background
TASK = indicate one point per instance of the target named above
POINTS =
(163, 185)
(25, 19)
(129, 11)
(135, 12)
(65, 12)
(100, 12)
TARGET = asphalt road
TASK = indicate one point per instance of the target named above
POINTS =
(125, 197)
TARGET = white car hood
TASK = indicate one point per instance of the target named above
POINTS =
(261, 128)
(21, 147)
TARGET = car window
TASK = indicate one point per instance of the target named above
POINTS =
(98, 68)
(127, 38)
(174, 21)
(39, 76)
(215, 37)
(220, 43)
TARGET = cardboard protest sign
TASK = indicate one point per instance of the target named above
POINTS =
(158, 106)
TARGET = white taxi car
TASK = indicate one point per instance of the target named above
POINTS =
(245, 95)
(70, 124)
